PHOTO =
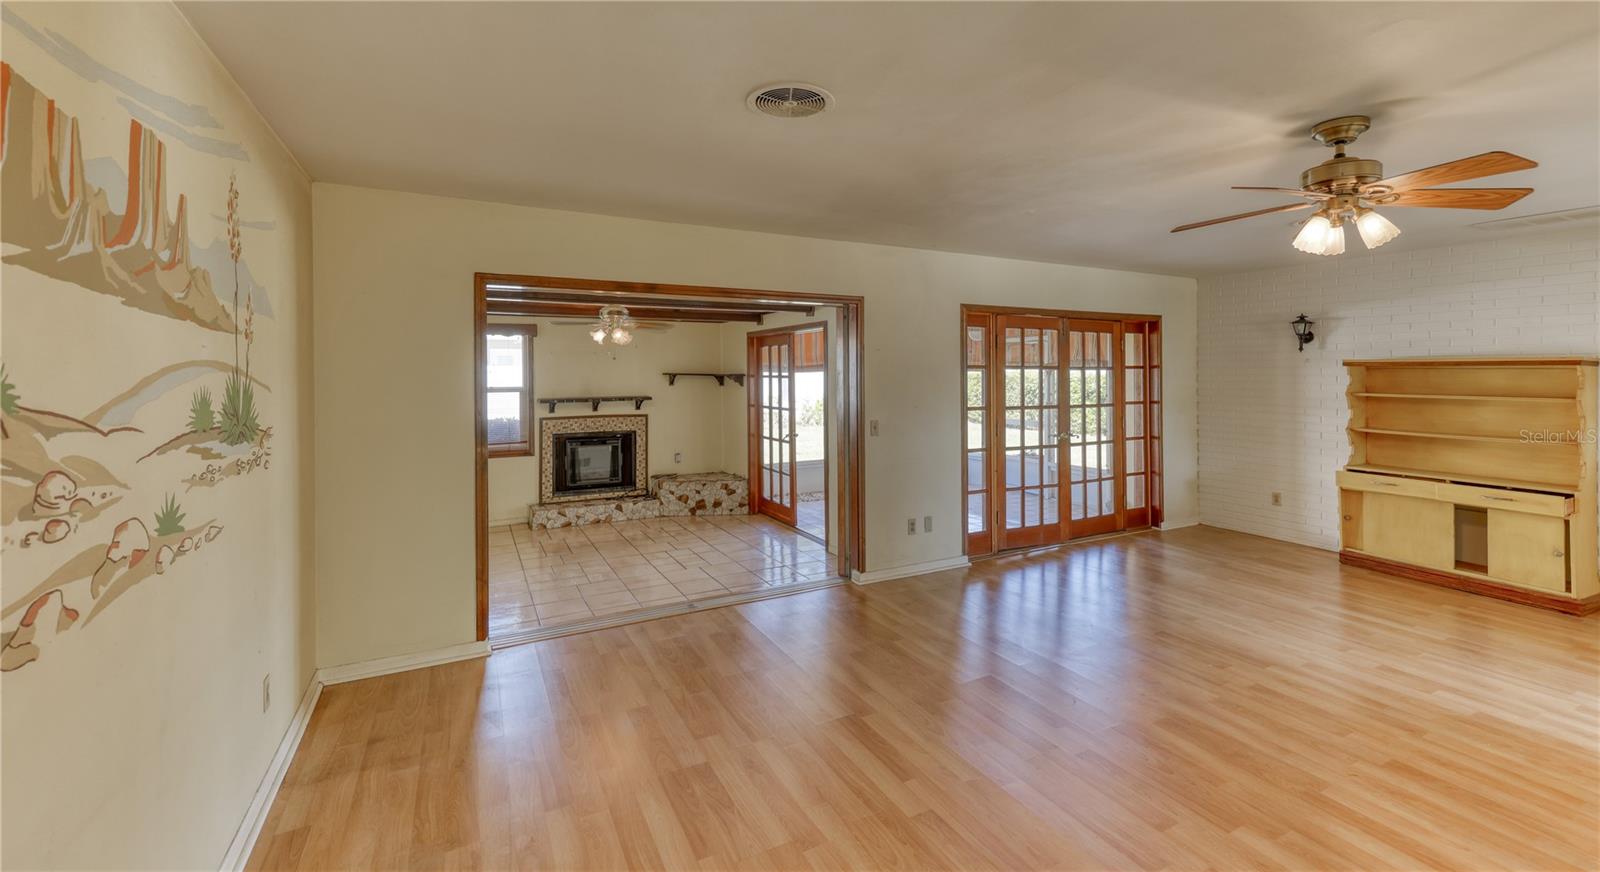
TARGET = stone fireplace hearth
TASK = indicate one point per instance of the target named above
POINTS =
(671, 495)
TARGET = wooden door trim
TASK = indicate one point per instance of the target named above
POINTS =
(853, 437)
(1079, 314)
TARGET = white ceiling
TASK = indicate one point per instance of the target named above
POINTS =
(1067, 132)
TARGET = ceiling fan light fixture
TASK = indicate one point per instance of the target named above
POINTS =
(1313, 237)
(1333, 243)
(1375, 229)
(621, 336)
(598, 334)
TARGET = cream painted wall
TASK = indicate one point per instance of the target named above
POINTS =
(137, 737)
(395, 554)
(685, 418)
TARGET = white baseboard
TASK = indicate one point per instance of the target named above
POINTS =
(256, 815)
(910, 569)
(244, 841)
(401, 663)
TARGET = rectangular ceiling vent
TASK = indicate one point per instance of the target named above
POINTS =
(1564, 218)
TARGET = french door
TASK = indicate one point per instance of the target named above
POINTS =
(1060, 427)
(1094, 426)
(774, 492)
(1028, 409)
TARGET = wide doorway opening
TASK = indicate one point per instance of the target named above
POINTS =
(650, 449)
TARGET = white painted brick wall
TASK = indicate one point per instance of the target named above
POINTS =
(1272, 419)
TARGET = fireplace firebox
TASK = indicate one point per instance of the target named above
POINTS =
(593, 462)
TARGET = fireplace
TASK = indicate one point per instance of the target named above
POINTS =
(592, 457)
(583, 463)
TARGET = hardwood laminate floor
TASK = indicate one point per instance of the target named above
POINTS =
(1196, 699)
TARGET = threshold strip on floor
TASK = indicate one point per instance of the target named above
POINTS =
(732, 599)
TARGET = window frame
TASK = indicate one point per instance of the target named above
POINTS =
(523, 448)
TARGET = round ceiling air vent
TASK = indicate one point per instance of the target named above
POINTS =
(789, 100)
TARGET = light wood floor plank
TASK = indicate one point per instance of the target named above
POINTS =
(1196, 699)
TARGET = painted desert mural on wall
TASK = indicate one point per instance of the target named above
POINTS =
(98, 498)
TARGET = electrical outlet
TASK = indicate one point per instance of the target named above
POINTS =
(927, 523)
(911, 526)
(266, 692)
(1277, 498)
(872, 427)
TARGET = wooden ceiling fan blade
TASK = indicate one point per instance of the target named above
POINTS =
(1490, 163)
(1289, 208)
(1293, 192)
(1458, 198)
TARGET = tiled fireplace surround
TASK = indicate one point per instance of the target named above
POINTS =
(708, 493)
(639, 425)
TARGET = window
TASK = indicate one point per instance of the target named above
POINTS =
(975, 432)
(508, 357)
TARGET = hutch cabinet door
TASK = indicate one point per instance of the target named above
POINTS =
(1528, 549)
(1409, 529)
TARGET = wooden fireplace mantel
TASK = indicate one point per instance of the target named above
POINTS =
(593, 402)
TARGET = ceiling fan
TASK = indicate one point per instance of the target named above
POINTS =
(1347, 189)
(613, 323)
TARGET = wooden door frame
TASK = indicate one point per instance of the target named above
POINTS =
(852, 490)
(974, 311)
(752, 423)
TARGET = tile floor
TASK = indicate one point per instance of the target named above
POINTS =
(551, 578)
(812, 517)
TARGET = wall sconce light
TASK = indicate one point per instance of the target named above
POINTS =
(1302, 330)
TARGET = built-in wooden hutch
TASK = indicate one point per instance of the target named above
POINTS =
(1475, 473)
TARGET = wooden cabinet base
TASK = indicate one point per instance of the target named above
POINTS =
(1473, 585)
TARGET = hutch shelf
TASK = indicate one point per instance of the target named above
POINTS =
(1475, 473)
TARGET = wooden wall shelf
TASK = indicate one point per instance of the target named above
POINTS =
(1475, 473)
(1469, 397)
(593, 402)
(1516, 440)
(721, 377)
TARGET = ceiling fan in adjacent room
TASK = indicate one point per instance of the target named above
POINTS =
(613, 324)
(1347, 190)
